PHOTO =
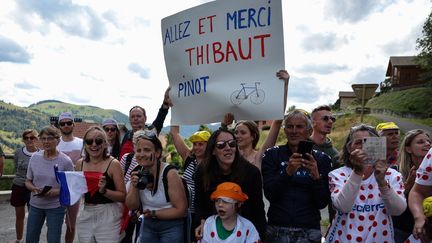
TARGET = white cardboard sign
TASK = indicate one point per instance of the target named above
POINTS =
(223, 56)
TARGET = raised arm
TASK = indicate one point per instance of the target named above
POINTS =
(179, 143)
(163, 111)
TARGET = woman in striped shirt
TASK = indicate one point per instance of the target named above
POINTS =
(191, 157)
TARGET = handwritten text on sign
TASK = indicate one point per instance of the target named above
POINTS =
(220, 47)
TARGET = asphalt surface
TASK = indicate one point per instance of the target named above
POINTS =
(7, 225)
(404, 125)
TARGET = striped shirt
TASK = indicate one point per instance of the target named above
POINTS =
(189, 176)
(133, 164)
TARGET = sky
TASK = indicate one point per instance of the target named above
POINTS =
(109, 53)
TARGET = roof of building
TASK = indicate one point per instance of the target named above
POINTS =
(399, 61)
(347, 94)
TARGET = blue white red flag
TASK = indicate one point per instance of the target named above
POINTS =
(75, 183)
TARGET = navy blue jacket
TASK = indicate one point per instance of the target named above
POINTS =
(295, 200)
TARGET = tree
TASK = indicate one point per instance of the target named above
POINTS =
(424, 44)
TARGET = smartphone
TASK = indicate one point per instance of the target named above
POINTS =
(44, 191)
(305, 146)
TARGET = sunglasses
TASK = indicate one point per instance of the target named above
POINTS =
(29, 138)
(231, 143)
(149, 134)
(62, 124)
(327, 118)
(112, 129)
(98, 141)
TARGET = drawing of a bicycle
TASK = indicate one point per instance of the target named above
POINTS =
(256, 95)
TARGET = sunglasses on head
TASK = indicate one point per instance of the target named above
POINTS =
(110, 129)
(327, 118)
(69, 123)
(98, 141)
(231, 143)
(150, 134)
(29, 138)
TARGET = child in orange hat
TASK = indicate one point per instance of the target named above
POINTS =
(227, 225)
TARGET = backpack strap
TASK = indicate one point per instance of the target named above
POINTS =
(128, 162)
(165, 180)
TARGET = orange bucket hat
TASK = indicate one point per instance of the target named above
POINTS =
(229, 190)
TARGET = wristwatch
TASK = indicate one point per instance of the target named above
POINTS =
(153, 214)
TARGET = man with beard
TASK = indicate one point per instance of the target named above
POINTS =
(71, 146)
(322, 123)
(392, 133)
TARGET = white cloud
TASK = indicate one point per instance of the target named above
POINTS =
(10, 51)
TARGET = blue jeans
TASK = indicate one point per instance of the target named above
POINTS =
(162, 231)
(36, 219)
(278, 234)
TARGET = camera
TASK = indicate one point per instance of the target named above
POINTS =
(144, 178)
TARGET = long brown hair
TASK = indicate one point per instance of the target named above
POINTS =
(210, 166)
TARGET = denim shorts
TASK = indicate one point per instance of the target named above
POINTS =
(162, 231)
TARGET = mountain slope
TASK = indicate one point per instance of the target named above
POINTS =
(15, 119)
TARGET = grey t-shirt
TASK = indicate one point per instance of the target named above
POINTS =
(21, 161)
(41, 172)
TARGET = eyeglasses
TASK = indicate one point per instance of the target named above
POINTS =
(327, 118)
(47, 139)
(231, 143)
(89, 141)
(69, 123)
(108, 129)
(29, 138)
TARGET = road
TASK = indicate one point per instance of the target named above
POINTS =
(404, 125)
(7, 225)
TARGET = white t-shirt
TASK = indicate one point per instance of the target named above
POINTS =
(244, 231)
(368, 220)
(424, 172)
(72, 148)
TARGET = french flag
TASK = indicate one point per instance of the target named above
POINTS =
(73, 184)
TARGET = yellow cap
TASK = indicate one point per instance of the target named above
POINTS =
(229, 190)
(201, 136)
(427, 207)
(386, 126)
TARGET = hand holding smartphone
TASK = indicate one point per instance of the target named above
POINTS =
(304, 147)
(44, 191)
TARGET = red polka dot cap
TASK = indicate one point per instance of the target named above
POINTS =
(229, 190)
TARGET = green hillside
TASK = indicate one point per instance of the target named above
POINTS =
(416, 100)
(90, 113)
(15, 119)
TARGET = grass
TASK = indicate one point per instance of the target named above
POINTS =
(405, 101)
(6, 184)
(344, 123)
